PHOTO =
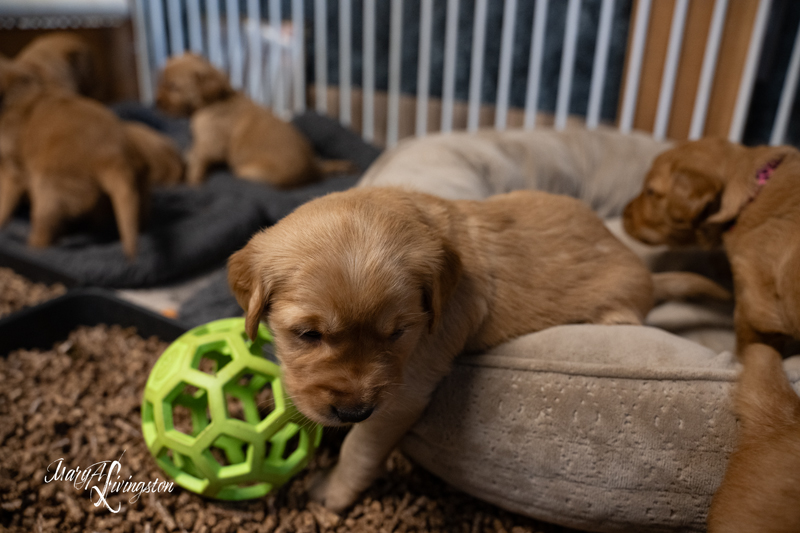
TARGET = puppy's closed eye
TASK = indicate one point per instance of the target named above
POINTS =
(396, 334)
(310, 336)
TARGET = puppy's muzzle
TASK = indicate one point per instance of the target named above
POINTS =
(354, 414)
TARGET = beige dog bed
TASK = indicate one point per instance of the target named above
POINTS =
(601, 428)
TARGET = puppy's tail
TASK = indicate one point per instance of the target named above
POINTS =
(764, 395)
(338, 166)
(685, 285)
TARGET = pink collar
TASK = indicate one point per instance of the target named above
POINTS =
(765, 173)
(762, 177)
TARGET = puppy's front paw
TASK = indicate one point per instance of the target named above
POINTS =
(327, 489)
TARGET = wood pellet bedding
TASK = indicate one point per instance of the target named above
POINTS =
(79, 403)
(17, 291)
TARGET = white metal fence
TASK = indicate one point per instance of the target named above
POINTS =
(265, 49)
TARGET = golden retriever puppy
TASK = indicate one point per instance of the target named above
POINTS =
(68, 153)
(715, 192)
(160, 161)
(228, 127)
(371, 293)
(62, 60)
(760, 492)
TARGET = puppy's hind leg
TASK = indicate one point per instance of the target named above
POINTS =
(47, 214)
(120, 185)
(12, 187)
(196, 167)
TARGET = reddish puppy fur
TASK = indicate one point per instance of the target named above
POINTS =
(706, 192)
(160, 161)
(62, 60)
(371, 294)
(761, 489)
(228, 127)
(67, 153)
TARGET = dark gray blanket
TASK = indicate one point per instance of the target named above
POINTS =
(190, 229)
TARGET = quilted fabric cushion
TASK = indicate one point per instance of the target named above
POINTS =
(601, 428)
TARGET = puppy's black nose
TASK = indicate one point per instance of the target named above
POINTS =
(352, 415)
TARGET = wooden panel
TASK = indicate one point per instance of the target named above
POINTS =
(733, 52)
(732, 56)
(698, 24)
(655, 53)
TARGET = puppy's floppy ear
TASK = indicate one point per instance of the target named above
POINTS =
(213, 85)
(15, 78)
(439, 283)
(742, 186)
(692, 197)
(247, 285)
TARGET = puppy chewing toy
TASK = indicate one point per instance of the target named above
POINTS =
(216, 418)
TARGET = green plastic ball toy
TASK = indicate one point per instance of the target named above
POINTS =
(216, 418)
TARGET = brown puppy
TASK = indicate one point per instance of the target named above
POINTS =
(160, 162)
(228, 127)
(371, 293)
(761, 489)
(62, 60)
(67, 153)
(712, 191)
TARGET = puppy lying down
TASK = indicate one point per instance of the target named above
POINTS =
(371, 294)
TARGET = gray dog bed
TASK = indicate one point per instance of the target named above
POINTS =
(190, 229)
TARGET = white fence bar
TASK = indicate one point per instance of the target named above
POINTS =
(175, 19)
(670, 69)
(236, 67)
(214, 35)
(321, 56)
(254, 55)
(600, 65)
(158, 33)
(787, 95)
(506, 53)
(195, 27)
(395, 43)
(635, 66)
(567, 64)
(424, 67)
(277, 81)
(535, 64)
(476, 66)
(449, 81)
(298, 56)
(749, 72)
(368, 83)
(144, 74)
(713, 42)
(345, 69)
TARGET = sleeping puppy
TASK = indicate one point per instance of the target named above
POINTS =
(371, 293)
(602, 167)
(228, 127)
(760, 492)
(713, 192)
(159, 160)
(62, 60)
(69, 154)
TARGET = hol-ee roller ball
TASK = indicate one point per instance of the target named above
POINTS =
(216, 418)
